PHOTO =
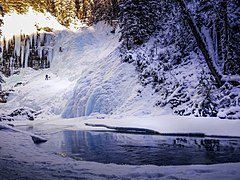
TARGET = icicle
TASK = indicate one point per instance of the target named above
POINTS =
(38, 41)
(22, 55)
(40, 49)
(50, 55)
(35, 39)
(17, 45)
(42, 37)
(11, 65)
(27, 49)
(31, 40)
(7, 45)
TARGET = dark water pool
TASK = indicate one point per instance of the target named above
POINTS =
(135, 149)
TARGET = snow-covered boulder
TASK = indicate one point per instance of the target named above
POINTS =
(23, 113)
(3, 96)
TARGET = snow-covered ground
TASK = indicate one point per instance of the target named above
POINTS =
(89, 84)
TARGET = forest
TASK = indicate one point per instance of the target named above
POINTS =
(66, 11)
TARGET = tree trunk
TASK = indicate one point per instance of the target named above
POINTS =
(226, 35)
(200, 42)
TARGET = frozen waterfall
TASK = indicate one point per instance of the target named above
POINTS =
(35, 51)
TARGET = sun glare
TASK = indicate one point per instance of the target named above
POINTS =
(15, 24)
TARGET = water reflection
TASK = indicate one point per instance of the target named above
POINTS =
(109, 147)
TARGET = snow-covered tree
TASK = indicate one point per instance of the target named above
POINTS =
(65, 11)
(137, 20)
(83, 10)
(51, 6)
(1, 23)
(232, 33)
(106, 10)
(214, 24)
(1, 20)
(88, 11)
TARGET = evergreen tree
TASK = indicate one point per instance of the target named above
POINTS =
(83, 10)
(137, 21)
(114, 9)
(204, 46)
(232, 34)
(77, 7)
(218, 23)
(1, 20)
(1, 23)
(51, 7)
(106, 10)
(65, 11)
(20, 6)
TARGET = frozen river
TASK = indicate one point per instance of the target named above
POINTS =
(75, 155)
(138, 149)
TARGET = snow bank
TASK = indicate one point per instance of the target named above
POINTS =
(163, 124)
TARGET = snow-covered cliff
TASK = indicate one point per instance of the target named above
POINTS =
(86, 77)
